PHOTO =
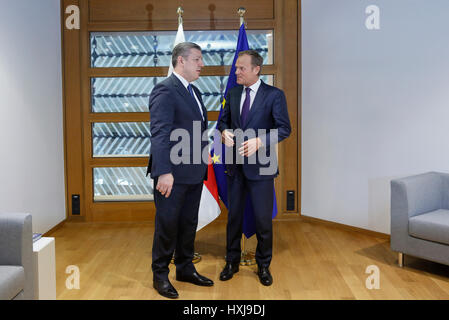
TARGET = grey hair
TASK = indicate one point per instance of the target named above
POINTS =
(182, 49)
(256, 58)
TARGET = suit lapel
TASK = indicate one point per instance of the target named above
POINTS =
(185, 94)
(180, 87)
(257, 103)
(236, 111)
(203, 108)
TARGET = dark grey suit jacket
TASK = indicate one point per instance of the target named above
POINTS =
(172, 107)
(268, 111)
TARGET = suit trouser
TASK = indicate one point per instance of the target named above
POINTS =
(261, 193)
(175, 229)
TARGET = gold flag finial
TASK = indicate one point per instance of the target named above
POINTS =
(180, 11)
(241, 11)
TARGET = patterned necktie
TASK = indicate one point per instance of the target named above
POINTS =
(245, 108)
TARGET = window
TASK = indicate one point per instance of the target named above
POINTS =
(117, 99)
(122, 184)
(132, 94)
(153, 49)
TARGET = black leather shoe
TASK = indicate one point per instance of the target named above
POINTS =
(165, 289)
(195, 278)
(228, 271)
(265, 276)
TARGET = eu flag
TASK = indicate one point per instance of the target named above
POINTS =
(218, 149)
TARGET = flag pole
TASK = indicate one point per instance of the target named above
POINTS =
(180, 11)
(248, 258)
(241, 11)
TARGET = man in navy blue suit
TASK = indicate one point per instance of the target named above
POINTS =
(176, 106)
(253, 121)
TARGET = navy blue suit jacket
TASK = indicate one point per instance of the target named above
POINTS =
(268, 111)
(172, 107)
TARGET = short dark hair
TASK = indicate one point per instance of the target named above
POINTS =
(182, 49)
(256, 58)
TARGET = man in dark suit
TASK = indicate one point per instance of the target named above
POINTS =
(260, 111)
(176, 107)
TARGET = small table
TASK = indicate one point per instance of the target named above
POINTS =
(44, 269)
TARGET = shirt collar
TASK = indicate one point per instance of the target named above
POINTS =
(255, 86)
(181, 78)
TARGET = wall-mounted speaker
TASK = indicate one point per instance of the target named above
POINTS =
(290, 200)
(76, 204)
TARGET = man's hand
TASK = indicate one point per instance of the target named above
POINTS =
(165, 184)
(250, 146)
(227, 138)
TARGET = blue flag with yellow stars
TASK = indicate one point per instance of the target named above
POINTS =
(218, 149)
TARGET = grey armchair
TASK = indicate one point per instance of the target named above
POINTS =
(420, 217)
(16, 257)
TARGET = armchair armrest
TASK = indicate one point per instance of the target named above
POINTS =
(413, 196)
(16, 246)
(445, 190)
(15, 237)
(417, 194)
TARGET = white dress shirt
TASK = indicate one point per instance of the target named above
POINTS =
(252, 95)
(186, 83)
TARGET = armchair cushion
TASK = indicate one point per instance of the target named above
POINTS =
(431, 226)
(12, 281)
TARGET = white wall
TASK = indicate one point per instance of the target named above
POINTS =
(375, 104)
(31, 130)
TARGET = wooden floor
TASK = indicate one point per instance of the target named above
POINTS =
(310, 261)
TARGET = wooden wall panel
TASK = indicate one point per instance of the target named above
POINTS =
(290, 86)
(72, 113)
(157, 10)
(134, 15)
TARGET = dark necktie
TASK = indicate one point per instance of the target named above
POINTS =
(245, 108)
(189, 87)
